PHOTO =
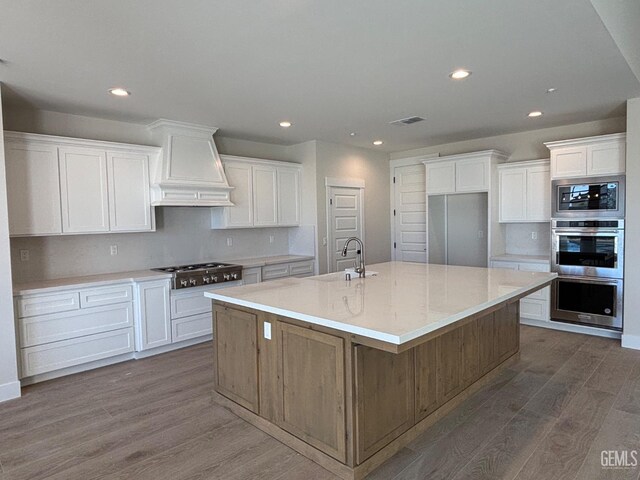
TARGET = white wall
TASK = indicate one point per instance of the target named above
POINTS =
(527, 145)
(631, 331)
(343, 161)
(9, 385)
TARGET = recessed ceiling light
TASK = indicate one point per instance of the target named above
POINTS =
(459, 74)
(377, 143)
(285, 124)
(551, 90)
(352, 134)
(535, 113)
(119, 92)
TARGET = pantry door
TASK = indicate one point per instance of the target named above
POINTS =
(345, 219)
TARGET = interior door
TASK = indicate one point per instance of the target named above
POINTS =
(410, 214)
(345, 214)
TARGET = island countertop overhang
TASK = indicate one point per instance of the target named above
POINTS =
(394, 309)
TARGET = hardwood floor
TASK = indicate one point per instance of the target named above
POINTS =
(547, 416)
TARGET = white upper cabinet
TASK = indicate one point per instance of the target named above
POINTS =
(239, 175)
(525, 191)
(61, 185)
(468, 172)
(265, 193)
(129, 201)
(472, 175)
(265, 196)
(83, 188)
(33, 188)
(441, 178)
(591, 156)
(288, 196)
(513, 195)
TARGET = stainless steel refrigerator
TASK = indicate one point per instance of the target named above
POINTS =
(457, 227)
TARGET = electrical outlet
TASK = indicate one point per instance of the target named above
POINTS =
(324, 241)
(114, 250)
(272, 239)
(229, 242)
(534, 235)
(267, 330)
(24, 255)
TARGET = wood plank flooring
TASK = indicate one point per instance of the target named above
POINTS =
(548, 416)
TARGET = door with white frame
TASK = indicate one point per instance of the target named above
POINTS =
(345, 218)
(409, 209)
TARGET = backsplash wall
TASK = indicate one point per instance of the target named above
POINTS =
(183, 235)
(519, 241)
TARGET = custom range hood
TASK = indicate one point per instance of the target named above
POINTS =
(189, 171)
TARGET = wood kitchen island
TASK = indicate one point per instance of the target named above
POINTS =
(349, 372)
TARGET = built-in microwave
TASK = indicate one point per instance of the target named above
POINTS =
(592, 197)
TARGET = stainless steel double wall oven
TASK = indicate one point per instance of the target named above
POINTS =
(588, 251)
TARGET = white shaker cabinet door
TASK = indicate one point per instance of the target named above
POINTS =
(513, 193)
(83, 188)
(538, 194)
(33, 189)
(129, 202)
(607, 158)
(472, 175)
(240, 178)
(569, 162)
(265, 196)
(288, 196)
(441, 178)
(154, 314)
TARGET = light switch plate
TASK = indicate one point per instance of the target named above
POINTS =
(267, 330)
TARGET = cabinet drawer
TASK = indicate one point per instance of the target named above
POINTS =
(184, 305)
(191, 327)
(68, 353)
(63, 326)
(301, 268)
(271, 272)
(251, 275)
(106, 296)
(45, 304)
(534, 309)
(506, 265)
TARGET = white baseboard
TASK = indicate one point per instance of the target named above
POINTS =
(569, 327)
(9, 391)
(171, 347)
(631, 341)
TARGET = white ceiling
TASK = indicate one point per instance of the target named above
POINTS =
(331, 66)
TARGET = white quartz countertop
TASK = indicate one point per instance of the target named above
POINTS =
(402, 302)
(43, 286)
(522, 258)
(269, 260)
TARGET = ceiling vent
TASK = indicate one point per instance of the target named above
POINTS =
(407, 121)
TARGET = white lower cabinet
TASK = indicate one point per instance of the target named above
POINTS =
(536, 306)
(74, 327)
(154, 317)
(69, 353)
(251, 275)
(292, 269)
(190, 314)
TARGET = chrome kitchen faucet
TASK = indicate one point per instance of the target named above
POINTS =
(359, 269)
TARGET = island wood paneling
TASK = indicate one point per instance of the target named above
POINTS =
(237, 356)
(349, 406)
(313, 388)
(384, 398)
(426, 356)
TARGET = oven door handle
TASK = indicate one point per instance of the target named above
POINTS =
(590, 231)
